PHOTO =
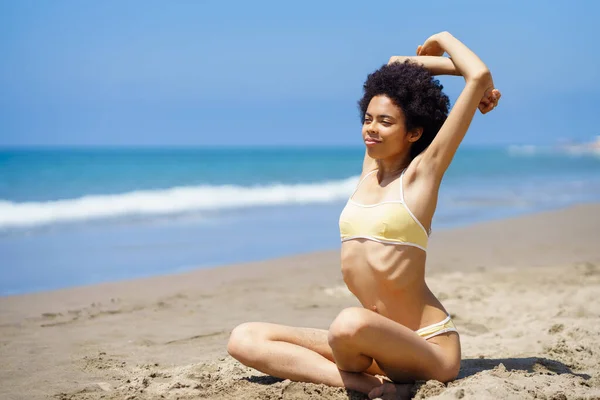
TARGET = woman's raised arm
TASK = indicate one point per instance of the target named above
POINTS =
(434, 64)
(478, 85)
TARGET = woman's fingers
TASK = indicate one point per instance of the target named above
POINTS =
(489, 101)
(483, 108)
(497, 95)
(486, 108)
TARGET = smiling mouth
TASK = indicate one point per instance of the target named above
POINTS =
(371, 142)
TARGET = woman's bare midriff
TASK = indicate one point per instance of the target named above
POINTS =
(390, 279)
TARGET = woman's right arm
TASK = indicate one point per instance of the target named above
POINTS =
(434, 64)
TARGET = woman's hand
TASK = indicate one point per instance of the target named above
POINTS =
(432, 46)
(489, 101)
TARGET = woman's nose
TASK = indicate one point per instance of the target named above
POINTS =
(372, 128)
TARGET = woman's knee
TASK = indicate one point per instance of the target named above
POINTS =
(348, 326)
(243, 340)
(449, 372)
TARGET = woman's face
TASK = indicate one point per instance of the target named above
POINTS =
(384, 129)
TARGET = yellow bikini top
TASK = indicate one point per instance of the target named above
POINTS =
(389, 222)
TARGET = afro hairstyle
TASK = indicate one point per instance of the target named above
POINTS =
(412, 88)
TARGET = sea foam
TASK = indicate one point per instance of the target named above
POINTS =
(175, 200)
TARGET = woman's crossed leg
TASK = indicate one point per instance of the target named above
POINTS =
(359, 344)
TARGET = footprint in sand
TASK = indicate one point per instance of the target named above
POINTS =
(587, 269)
(556, 328)
(51, 315)
(473, 329)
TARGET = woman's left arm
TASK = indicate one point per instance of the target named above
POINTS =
(478, 92)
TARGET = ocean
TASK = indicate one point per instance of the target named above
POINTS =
(73, 217)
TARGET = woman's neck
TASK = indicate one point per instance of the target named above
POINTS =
(389, 167)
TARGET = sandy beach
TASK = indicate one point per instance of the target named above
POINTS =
(523, 292)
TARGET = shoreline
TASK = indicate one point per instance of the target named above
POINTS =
(522, 291)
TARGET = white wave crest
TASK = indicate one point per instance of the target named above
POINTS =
(170, 201)
(573, 150)
(524, 150)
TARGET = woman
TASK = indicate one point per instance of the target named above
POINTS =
(402, 332)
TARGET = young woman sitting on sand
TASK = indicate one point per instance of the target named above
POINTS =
(403, 332)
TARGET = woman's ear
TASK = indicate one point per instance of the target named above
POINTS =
(415, 134)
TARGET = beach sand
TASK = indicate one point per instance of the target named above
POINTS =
(523, 292)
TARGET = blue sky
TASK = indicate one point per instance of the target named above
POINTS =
(197, 73)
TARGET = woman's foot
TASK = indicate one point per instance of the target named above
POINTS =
(389, 391)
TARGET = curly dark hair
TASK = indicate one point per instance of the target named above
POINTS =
(412, 88)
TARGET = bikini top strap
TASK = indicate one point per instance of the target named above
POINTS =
(402, 186)
(361, 181)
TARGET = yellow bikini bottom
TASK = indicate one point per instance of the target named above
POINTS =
(437, 329)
